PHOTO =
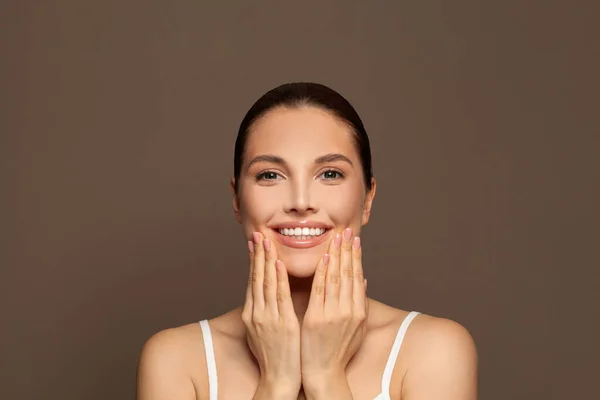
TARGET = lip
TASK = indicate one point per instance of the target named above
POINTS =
(301, 244)
(300, 224)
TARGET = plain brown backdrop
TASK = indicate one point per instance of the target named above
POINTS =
(117, 125)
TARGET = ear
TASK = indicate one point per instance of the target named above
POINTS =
(369, 202)
(236, 201)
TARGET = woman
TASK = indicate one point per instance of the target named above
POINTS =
(302, 189)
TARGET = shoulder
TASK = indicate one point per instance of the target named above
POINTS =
(167, 362)
(443, 360)
(434, 334)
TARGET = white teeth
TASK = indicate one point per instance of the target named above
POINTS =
(301, 233)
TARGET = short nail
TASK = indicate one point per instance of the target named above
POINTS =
(267, 244)
(255, 237)
(250, 246)
(337, 242)
(356, 243)
(348, 233)
(326, 259)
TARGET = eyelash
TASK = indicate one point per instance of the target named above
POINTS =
(261, 176)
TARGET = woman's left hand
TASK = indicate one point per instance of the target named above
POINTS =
(336, 318)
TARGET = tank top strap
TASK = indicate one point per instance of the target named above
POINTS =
(210, 359)
(391, 362)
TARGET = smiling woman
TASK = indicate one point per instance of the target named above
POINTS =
(302, 188)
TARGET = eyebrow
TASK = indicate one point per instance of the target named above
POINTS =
(327, 158)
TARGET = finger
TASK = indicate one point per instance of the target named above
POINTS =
(346, 271)
(270, 280)
(259, 272)
(317, 294)
(332, 280)
(359, 293)
(249, 299)
(284, 296)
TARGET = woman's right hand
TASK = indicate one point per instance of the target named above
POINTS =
(272, 327)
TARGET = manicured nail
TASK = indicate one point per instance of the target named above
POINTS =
(325, 258)
(255, 237)
(356, 243)
(348, 234)
(365, 286)
(337, 242)
(250, 246)
(267, 244)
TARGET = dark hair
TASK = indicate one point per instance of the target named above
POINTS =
(298, 94)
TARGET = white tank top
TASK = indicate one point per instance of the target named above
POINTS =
(387, 373)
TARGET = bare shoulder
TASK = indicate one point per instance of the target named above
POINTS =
(442, 360)
(433, 334)
(167, 363)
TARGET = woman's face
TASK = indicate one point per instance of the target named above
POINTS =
(301, 170)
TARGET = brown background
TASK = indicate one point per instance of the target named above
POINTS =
(118, 120)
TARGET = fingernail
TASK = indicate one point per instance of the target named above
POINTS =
(348, 234)
(255, 237)
(365, 285)
(267, 244)
(326, 259)
(250, 246)
(356, 243)
(337, 242)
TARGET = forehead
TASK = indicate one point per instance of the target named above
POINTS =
(304, 132)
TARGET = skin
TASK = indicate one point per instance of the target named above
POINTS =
(438, 357)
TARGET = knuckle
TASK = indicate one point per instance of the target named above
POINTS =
(321, 273)
(334, 279)
(281, 297)
(258, 319)
(254, 277)
(358, 275)
(247, 317)
(320, 289)
(266, 284)
(348, 272)
(359, 316)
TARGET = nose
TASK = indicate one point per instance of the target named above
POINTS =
(300, 200)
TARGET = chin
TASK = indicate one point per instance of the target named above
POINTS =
(301, 265)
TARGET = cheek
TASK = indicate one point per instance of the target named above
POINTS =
(344, 207)
(257, 206)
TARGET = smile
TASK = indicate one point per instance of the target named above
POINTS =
(301, 236)
(301, 233)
